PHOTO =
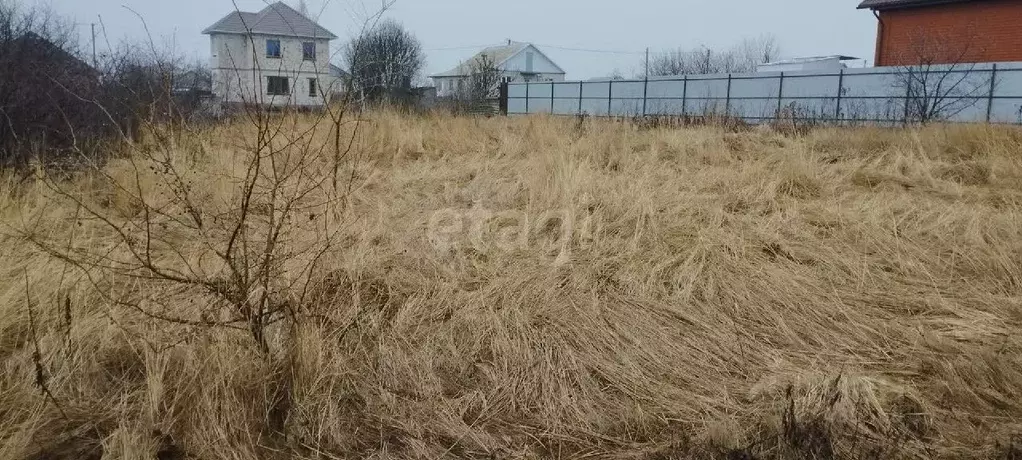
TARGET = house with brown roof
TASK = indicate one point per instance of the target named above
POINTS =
(915, 32)
(275, 57)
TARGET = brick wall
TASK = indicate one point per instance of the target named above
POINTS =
(976, 31)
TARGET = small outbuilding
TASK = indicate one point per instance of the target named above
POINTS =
(817, 63)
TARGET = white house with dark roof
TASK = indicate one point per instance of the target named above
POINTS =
(274, 57)
(517, 62)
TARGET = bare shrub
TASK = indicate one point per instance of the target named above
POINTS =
(795, 120)
(287, 177)
(940, 82)
(743, 57)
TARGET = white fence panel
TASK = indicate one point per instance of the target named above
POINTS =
(595, 107)
(567, 90)
(664, 107)
(874, 95)
(628, 89)
(666, 88)
(566, 106)
(596, 90)
(707, 88)
(626, 107)
(810, 86)
(757, 87)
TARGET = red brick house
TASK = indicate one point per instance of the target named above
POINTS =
(912, 32)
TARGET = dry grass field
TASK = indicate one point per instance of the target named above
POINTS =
(518, 288)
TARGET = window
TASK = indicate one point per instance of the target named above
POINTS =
(273, 48)
(506, 79)
(277, 86)
(309, 51)
(313, 88)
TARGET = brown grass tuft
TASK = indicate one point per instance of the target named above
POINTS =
(965, 173)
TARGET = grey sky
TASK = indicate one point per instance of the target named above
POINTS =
(802, 27)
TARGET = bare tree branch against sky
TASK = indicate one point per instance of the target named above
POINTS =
(586, 37)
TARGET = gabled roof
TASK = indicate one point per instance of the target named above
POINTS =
(235, 22)
(42, 48)
(276, 19)
(892, 4)
(498, 54)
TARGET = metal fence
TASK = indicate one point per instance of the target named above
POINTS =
(981, 92)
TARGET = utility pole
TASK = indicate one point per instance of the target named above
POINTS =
(95, 60)
(647, 63)
(95, 63)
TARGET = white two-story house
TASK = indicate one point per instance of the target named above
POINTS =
(275, 57)
(516, 61)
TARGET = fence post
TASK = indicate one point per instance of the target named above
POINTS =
(580, 88)
(503, 97)
(551, 98)
(908, 95)
(684, 96)
(780, 95)
(645, 88)
(727, 97)
(610, 95)
(990, 97)
(526, 98)
(840, 89)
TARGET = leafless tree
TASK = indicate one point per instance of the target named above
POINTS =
(752, 52)
(384, 60)
(743, 57)
(483, 81)
(937, 80)
(675, 62)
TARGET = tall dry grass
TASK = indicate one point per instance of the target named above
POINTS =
(854, 293)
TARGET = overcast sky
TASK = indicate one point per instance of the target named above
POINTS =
(588, 38)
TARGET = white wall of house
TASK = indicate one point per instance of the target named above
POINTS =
(241, 69)
(228, 51)
(546, 77)
(448, 86)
